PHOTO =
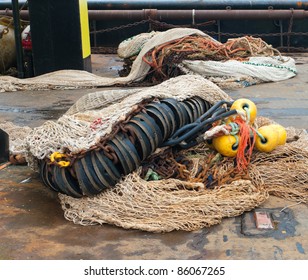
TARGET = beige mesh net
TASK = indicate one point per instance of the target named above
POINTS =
(74, 130)
(69, 79)
(145, 43)
(163, 206)
(175, 203)
(132, 46)
(17, 137)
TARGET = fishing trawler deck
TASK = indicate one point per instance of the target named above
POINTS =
(32, 221)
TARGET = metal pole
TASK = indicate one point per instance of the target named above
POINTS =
(281, 31)
(17, 32)
(137, 15)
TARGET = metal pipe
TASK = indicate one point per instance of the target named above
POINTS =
(22, 14)
(199, 15)
(185, 4)
(17, 32)
(196, 15)
(196, 4)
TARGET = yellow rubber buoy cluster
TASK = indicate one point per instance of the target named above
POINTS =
(269, 137)
(246, 107)
(226, 145)
(282, 133)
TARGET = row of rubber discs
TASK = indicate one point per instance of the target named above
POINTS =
(142, 134)
(268, 137)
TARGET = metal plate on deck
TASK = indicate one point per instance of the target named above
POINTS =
(269, 222)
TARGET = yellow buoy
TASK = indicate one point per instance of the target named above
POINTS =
(268, 140)
(226, 145)
(245, 106)
(282, 133)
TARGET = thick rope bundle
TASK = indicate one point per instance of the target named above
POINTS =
(249, 46)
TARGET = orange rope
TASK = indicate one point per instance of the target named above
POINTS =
(199, 45)
(190, 44)
(246, 144)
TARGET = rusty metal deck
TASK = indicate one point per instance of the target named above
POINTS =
(32, 223)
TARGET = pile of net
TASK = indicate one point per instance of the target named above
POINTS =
(202, 187)
(187, 203)
(159, 56)
(241, 61)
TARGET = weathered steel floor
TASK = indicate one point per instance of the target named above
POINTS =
(33, 227)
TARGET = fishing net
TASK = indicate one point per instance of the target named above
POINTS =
(133, 46)
(208, 189)
(162, 206)
(79, 129)
(234, 74)
(70, 79)
(160, 57)
(17, 136)
(187, 203)
(238, 62)
(203, 186)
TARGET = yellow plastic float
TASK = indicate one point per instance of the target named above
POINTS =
(226, 145)
(246, 107)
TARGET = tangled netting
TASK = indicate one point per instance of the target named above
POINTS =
(173, 204)
(133, 45)
(17, 137)
(238, 62)
(162, 206)
(159, 58)
(187, 202)
(78, 130)
(195, 47)
(182, 202)
(70, 79)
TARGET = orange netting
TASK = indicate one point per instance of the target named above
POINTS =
(164, 56)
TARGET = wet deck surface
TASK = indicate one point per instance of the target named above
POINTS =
(32, 223)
